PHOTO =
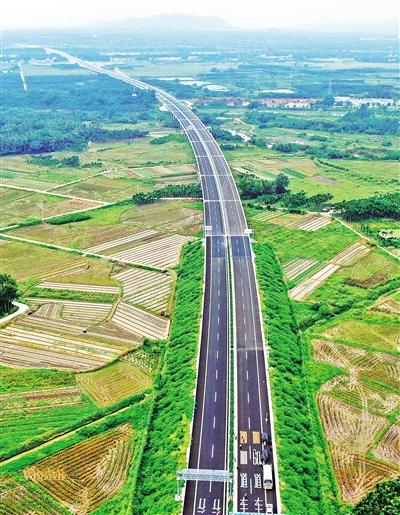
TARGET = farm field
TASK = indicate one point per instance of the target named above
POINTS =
(139, 322)
(390, 304)
(117, 222)
(18, 205)
(291, 243)
(163, 253)
(89, 473)
(382, 335)
(348, 256)
(296, 267)
(310, 222)
(141, 153)
(146, 288)
(27, 417)
(48, 262)
(16, 170)
(360, 179)
(115, 382)
(358, 407)
(17, 496)
(122, 183)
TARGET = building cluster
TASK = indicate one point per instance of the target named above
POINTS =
(369, 102)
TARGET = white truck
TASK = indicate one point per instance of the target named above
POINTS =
(268, 482)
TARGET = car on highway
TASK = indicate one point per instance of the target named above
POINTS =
(266, 438)
(265, 456)
(268, 482)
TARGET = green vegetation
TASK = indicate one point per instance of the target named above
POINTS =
(70, 218)
(180, 138)
(362, 120)
(8, 293)
(378, 206)
(170, 191)
(21, 380)
(65, 127)
(165, 452)
(49, 160)
(135, 410)
(291, 243)
(383, 500)
(300, 446)
(23, 428)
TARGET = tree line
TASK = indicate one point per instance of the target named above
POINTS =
(296, 436)
(377, 206)
(362, 120)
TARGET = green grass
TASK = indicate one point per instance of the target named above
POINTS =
(169, 432)
(80, 296)
(41, 262)
(301, 449)
(290, 243)
(21, 380)
(366, 333)
(19, 495)
(21, 428)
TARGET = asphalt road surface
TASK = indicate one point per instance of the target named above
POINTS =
(228, 247)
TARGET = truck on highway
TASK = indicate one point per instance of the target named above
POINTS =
(268, 482)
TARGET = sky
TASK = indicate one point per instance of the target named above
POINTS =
(253, 14)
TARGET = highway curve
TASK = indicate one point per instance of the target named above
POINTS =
(229, 271)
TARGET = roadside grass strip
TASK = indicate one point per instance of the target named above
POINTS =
(139, 322)
(311, 222)
(146, 288)
(163, 253)
(302, 290)
(89, 473)
(137, 236)
(296, 267)
(89, 288)
(115, 382)
(351, 254)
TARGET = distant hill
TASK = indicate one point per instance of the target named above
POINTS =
(165, 23)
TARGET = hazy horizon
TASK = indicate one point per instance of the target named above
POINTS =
(288, 14)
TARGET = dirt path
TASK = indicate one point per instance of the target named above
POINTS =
(62, 195)
(365, 237)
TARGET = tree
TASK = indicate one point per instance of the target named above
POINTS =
(281, 183)
(8, 292)
(383, 500)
